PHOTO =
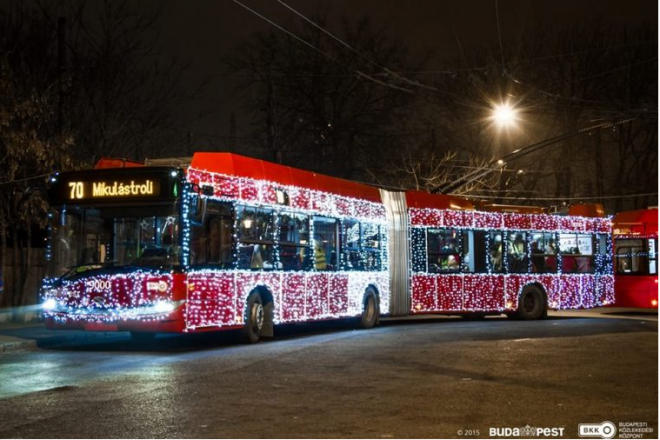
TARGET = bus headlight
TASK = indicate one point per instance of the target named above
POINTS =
(49, 304)
(163, 306)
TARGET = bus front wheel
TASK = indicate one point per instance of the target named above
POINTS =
(370, 309)
(531, 305)
(254, 319)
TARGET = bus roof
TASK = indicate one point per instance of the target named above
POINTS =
(641, 221)
(240, 166)
(422, 199)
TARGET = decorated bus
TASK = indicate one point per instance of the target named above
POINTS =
(221, 241)
(636, 258)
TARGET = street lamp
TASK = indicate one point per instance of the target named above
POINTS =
(504, 115)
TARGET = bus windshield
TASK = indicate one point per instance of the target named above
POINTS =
(84, 238)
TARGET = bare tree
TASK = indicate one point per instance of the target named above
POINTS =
(329, 110)
(75, 83)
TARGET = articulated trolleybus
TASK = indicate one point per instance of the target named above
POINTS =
(221, 241)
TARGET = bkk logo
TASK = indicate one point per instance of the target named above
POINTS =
(602, 430)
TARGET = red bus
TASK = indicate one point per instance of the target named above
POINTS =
(636, 258)
(222, 241)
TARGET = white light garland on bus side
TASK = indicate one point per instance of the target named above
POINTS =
(262, 192)
(298, 295)
(439, 292)
(447, 292)
(204, 282)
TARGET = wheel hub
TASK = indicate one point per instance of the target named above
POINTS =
(258, 316)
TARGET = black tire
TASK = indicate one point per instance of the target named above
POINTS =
(143, 336)
(254, 319)
(370, 309)
(531, 305)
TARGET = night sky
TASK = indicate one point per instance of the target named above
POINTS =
(201, 32)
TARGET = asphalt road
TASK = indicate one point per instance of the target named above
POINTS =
(422, 378)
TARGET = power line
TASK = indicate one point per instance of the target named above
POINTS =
(605, 72)
(291, 34)
(499, 35)
(8, 182)
(343, 43)
(437, 72)
(495, 165)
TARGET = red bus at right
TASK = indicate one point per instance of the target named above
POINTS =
(636, 258)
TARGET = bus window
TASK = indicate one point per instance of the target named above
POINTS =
(211, 243)
(417, 248)
(543, 252)
(325, 255)
(602, 263)
(628, 256)
(474, 251)
(255, 238)
(653, 256)
(353, 257)
(517, 260)
(293, 241)
(220, 225)
(370, 244)
(444, 250)
(496, 257)
(576, 253)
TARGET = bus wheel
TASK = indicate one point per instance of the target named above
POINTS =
(531, 305)
(370, 310)
(254, 319)
(143, 336)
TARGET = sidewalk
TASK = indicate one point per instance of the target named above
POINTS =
(30, 336)
(609, 312)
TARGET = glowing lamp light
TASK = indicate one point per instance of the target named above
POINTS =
(163, 307)
(247, 223)
(49, 304)
(654, 303)
(504, 115)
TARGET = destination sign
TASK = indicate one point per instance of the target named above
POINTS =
(85, 187)
(82, 190)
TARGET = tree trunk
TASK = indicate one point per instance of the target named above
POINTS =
(14, 267)
(25, 267)
(3, 253)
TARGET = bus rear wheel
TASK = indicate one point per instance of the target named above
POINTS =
(370, 309)
(254, 319)
(531, 305)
